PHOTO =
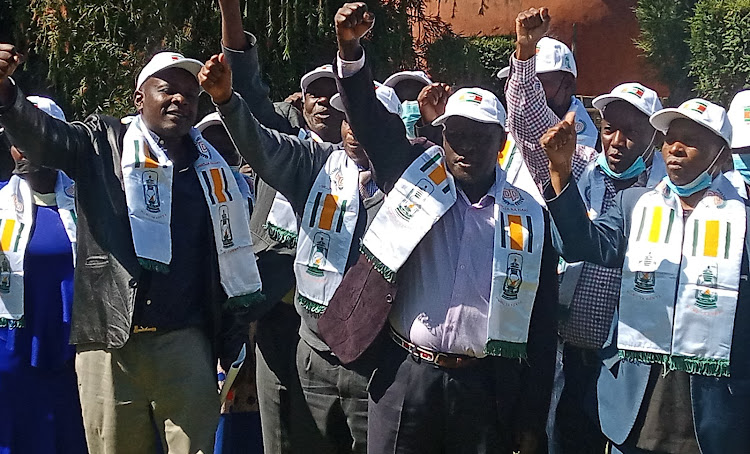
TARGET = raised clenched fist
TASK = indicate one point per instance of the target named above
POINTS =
(432, 100)
(216, 78)
(352, 21)
(531, 26)
(559, 142)
(9, 60)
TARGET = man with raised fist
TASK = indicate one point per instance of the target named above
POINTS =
(449, 378)
(677, 368)
(165, 269)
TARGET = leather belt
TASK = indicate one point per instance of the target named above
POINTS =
(419, 354)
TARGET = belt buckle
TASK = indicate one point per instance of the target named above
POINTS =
(436, 359)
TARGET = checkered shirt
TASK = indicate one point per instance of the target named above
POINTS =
(598, 290)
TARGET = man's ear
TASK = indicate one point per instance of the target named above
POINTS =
(138, 100)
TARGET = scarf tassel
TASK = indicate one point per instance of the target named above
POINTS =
(387, 273)
(153, 265)
(13, 324)
(692, 365)
(505, 349)
(244, 301)
(316, 309)
(283, 236)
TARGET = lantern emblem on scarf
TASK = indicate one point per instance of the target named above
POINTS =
(319, 254)
(645, 281)
(708, 279)
(513, 277)
(413, 200)
(5, 275)
(151, 191)
(226, 228)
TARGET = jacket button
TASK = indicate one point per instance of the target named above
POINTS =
(389, 298)
(148, 302)
(133, 283)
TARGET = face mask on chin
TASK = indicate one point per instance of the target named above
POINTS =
(635, 169)
(701, 182)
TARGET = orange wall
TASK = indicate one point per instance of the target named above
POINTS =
(605, 29)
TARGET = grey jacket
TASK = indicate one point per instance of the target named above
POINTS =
(290, 165)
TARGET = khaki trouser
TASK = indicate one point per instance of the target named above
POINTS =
(163, 382)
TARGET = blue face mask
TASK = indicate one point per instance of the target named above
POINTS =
(410, 115)
(742, 165)
(635, 169)
(701, 182)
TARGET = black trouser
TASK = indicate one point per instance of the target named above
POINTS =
(419, 408)
(577, 426)
(286, 421)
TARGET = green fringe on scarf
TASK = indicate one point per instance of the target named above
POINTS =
(13, 324)
(644, 357)
(316, 309)
(513, 350)
(283, 236)
(709, 367)
(153, 265)
(388, 274)
(245, 301)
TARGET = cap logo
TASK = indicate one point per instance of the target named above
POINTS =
(695, 106)
(175, 57)
(470, 96)
(747, 114)
(634, 90)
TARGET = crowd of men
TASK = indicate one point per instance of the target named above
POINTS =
(430, 271)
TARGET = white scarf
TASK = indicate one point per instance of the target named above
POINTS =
(423, 194)
(147, 177)
(16, 225)
(698, 260)
(281, 223)
(518, 173)
(326, 232)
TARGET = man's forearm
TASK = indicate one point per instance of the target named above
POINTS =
(232, 32)
(7, 92)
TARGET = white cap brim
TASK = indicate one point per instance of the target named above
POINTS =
(600, 102)
(212, 119)
(188, 64)
(394, 79)
(480, 117)
(504, 73)
(662, 119)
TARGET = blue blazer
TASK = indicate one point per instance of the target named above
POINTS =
(721, 406)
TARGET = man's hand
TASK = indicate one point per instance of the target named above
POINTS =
(353, 21)
(232, 33)
(10, 59)
(531, 26)
(216, 78)
(559, 142)
(432, 100)
(296, 99)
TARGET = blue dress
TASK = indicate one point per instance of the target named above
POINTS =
(40, 411)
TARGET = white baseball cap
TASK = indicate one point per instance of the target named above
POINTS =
(325, 71)
(419, 76)
(739, 117)
(48, 106)
(703, 112)
(643, 98)
(475, 104)
(166, 60)
(212, 119)
(386, 95)
(551, 55)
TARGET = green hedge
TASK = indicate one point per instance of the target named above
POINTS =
(720, 47)
(470, 61)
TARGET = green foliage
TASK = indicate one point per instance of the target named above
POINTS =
(664, 41)
(470, 61)
(87, 53)
(720, 44)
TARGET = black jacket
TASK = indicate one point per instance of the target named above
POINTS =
(107, 275)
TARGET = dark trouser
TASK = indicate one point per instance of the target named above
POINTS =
(286, 422)
(336, 396)
(416, 407)
(577, 423)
